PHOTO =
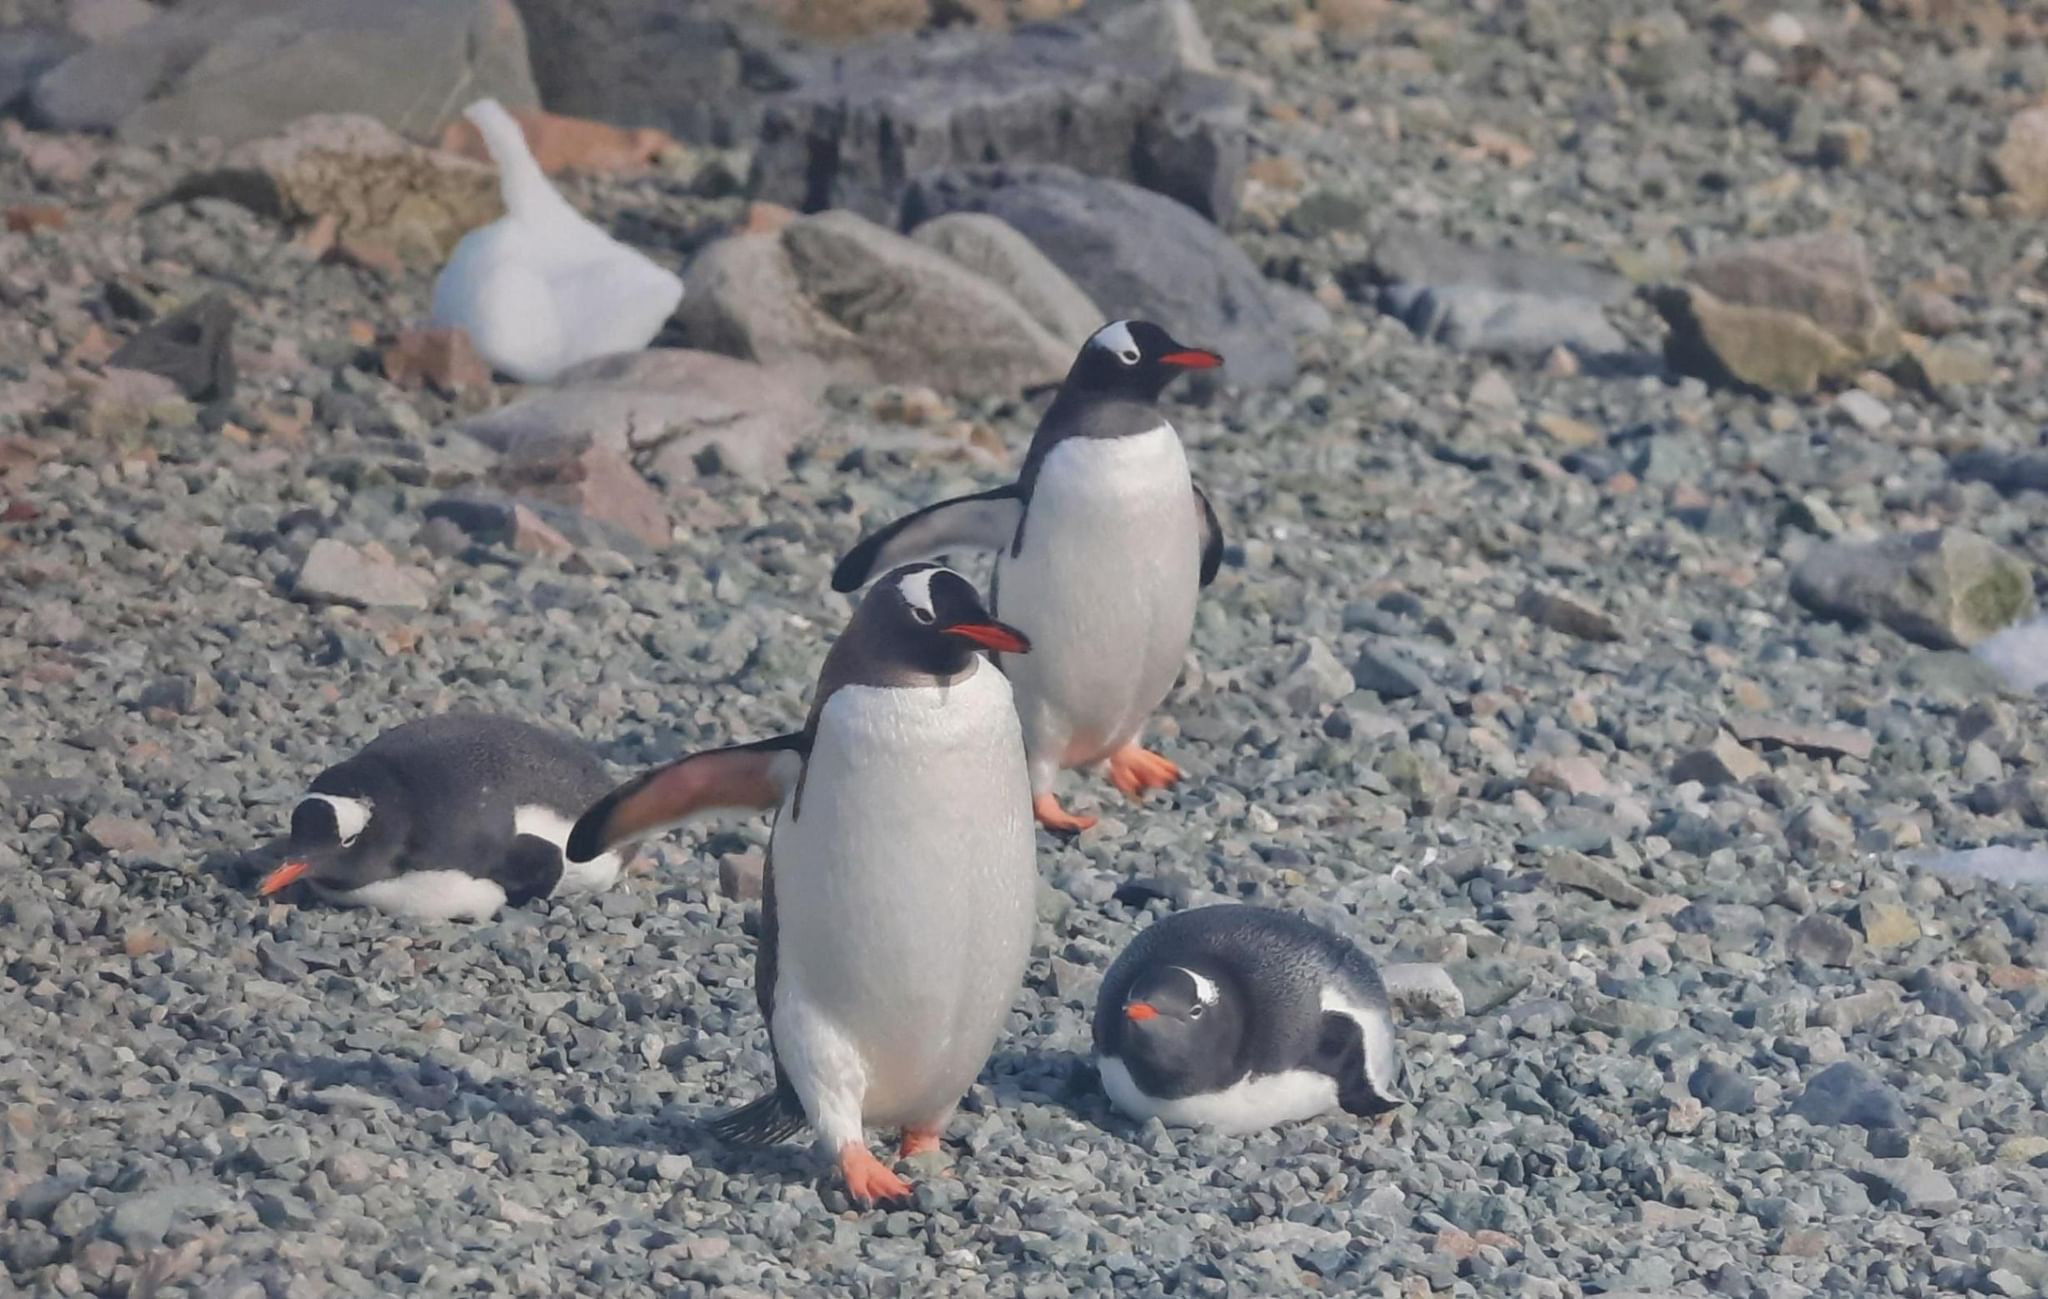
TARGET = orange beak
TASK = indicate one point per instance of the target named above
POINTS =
(992, 635)
(1138, 1012)
(283, 877)
(1193, 358)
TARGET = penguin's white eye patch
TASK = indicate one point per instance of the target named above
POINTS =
(916, 589)
(1115, 338)
(1129, 356)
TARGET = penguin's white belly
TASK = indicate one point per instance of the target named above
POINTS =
(1247, 1105)
(593, 876)
(425, 895)
(1105, 587)
(905, 892)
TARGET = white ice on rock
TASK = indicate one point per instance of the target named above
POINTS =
(543, 288)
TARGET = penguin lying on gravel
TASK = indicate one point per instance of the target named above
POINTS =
(448, 818)
(1237, 1018)
(1101, 546)
(900, 893)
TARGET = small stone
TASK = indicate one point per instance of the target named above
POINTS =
(1601, 879)
(184, 693)
(123, 834)
(1847, 1014)
(1574, 773)
(26, 218)
(439, 358)
(1423, 989)
(1566, 431)
(1822, 939)
(1886, 924)
(1859, 408)
(1314, 679)
(1844, 144)
(1720, 1088)
(192, 347)
(366, 577)
(740, 876)
(2022, 1150)
(1945, 589)
(1947, 365)
(1566, 614)
(1816, 829)
(1389, 673)
(2021, 161)
(1492, 391)
(143, 941)
(1723, 762)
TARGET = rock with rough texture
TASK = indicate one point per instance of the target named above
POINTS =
(364, 576)
(1495, 300)
(1107, 95)
(567, 145)
(1423, 989)
(1819, 741)
(237, 70)
(378, 188)
(1783, 315)
(1135, 253)
(675, 410)
(2021, 162)
(1945, 589)
(121, 834)
(193, 347)
(1846, 1092)
(571, 468)
(1723, 762)
(1567, 614)
(1913, 1184)
(27, 53)
(1604, 880)
(994, 250)
(866, 306)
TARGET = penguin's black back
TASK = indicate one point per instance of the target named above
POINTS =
(1281, 962)
(459, 778)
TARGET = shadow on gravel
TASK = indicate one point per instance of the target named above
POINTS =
(379, 1085)
(1064, 1079)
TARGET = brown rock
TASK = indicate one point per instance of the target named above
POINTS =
(143, 942)
(363, 576)
(1568, 615)
(442, 358)
(846, 20)
(2021, 162)
(1777, 351)
(740, 876)
(379, 188)
(1824, 278)
(121, 834)
(26, 217)
(568, 144)
(1844, 144)
(595, 480)
(1722, 762)
(764, 219)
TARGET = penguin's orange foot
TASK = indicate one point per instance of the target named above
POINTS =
(868, 1180)
(918, 1141)
(1134, 770)
(1056, 818)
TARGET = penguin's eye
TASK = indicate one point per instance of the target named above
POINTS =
(922, 615)
(351, 839)
(1129, 356)
(1196, 1013)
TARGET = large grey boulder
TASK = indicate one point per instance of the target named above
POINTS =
(993, 249)
(861, 304)
(239, 69)
(1496, 300)
(1945, 589)
(1135, 253)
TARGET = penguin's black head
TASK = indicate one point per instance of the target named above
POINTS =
(1135, 360)
(346, 834)
(1184, 1024)
(935, 619)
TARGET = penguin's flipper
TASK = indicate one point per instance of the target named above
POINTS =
(530, 869)
(1341, 1053)
(756, 775)
(778, 1116)
(985, 521)
(1211, 533)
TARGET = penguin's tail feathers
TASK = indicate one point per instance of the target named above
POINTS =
(778, 1116)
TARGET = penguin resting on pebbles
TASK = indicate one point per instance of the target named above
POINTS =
(1101, 546)
(447, 818)
(900, 893)
(1237, 1018)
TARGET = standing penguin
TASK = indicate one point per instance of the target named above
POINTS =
(900, 894)
(1238, 1018)
(1101, 546)
(447, 818)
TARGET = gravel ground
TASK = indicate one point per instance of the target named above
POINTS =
(1722, 1036)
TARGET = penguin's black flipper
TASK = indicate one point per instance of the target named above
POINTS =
(530, 869)
(985, 521)
(1340, 1053)
(753, 775)
(778, 1116)
(1212, 537)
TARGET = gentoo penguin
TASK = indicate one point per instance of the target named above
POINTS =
(900, 895)
(447, 818)
(1101, 545)
(1237, 1018)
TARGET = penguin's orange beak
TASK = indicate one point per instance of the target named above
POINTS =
(284, 877)
(1193, 358)
(1001, 637)
(1138, 1012)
